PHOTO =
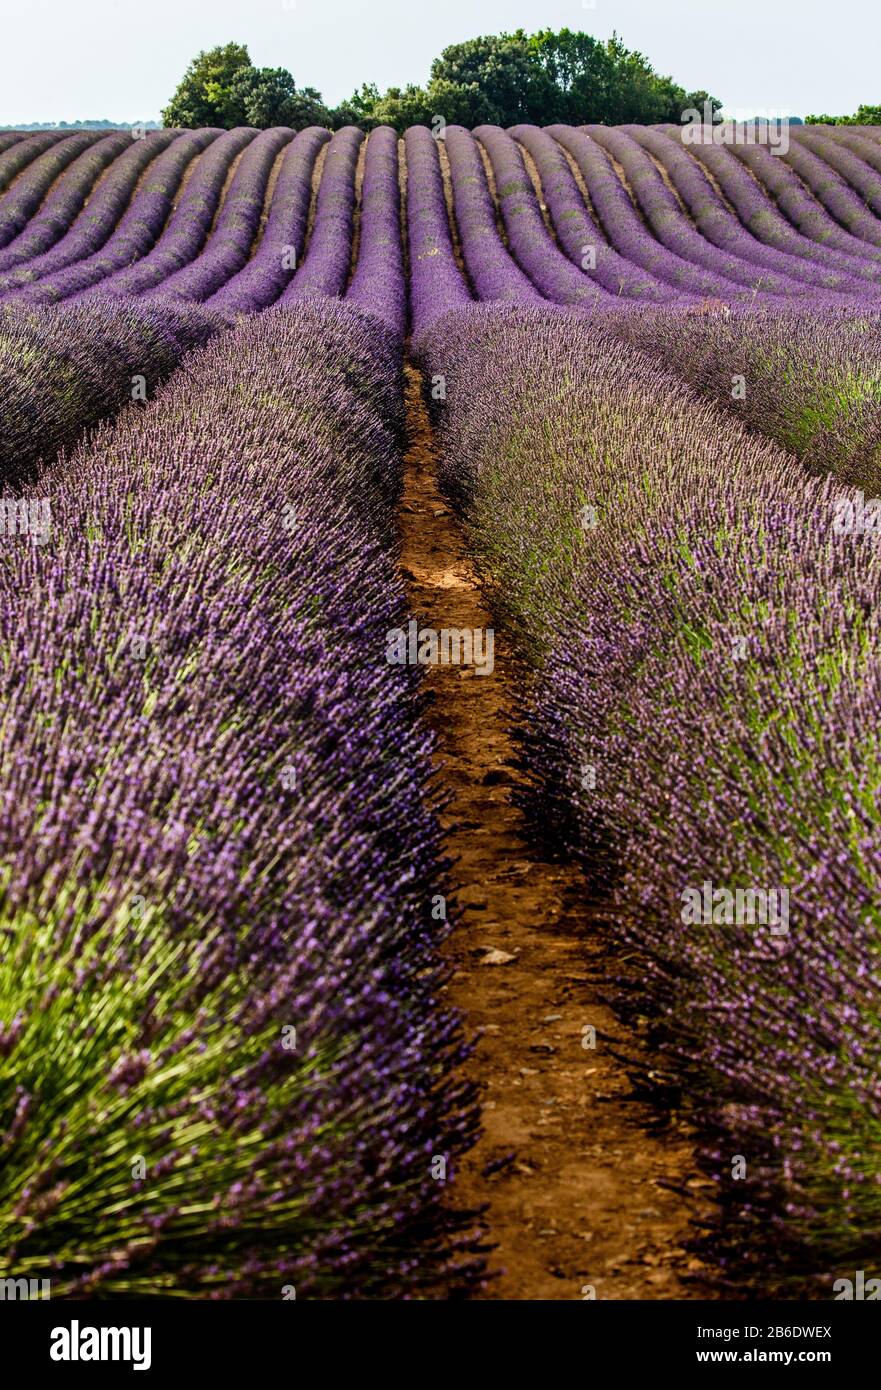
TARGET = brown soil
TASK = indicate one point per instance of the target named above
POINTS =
(447, 180)
(576, 1184)
(268, 196)
(317, 171)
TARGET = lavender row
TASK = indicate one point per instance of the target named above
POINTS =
(97, 219)
(830, 189)
(492, 270)
(20, 202)
(845, 163)
(20, 153)
(232, 236)
(63, 202)
(66, 368)
(189, 224)
(760, 215)
(811, 380)
(324, 272)
(378, 283)
(626, 231)
(137, 230)
(437, 284)
(722, 228)
(227, 1062)
(672, 227)
(262, 280)
(582, 239)
(701, 722)
(531, 244)
(805, 212)
(10, 138)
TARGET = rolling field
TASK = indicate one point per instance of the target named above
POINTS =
(327, 937)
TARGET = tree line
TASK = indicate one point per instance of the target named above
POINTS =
(499, 79)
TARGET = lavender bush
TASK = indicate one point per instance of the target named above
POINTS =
(810, 381)
(96, 221)
(324, 272)
(221, 852)
(66, 368)
(699, 633)
(261, 281)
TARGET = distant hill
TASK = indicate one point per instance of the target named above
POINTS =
(85, 125)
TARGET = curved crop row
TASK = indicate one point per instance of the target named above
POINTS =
(97, 220)
(436, 282)
(531, 244)
(65, 368)
(136, 231)
(324, 272)
(493, 272)
(761, 215)
(378, 284)
(862, 178)
(804, 211)
(261, 281)
(63, 202)
(21, 201)
(705, 646)
(830, 189)
(191, 221)
(220, 849)
(627, 233)
(671, 226)
(723, 228)
(21, 152)
(583, 241)
(232, 236)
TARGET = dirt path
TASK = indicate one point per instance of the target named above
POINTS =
(573, 1180)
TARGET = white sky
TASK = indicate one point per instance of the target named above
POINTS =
(121, 59)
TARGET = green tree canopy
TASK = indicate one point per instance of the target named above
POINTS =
(500, 79)
(541, 78)
(866, 115)
(223, 88)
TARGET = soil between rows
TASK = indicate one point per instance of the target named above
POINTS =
(577, 1187)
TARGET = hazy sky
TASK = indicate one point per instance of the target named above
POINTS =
(120, 59)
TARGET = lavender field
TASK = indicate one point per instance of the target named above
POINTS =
(247, 951)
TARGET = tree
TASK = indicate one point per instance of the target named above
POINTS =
(494, 79)
(205, 96)
(269, 96)
(866, 115)
(223, 88)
